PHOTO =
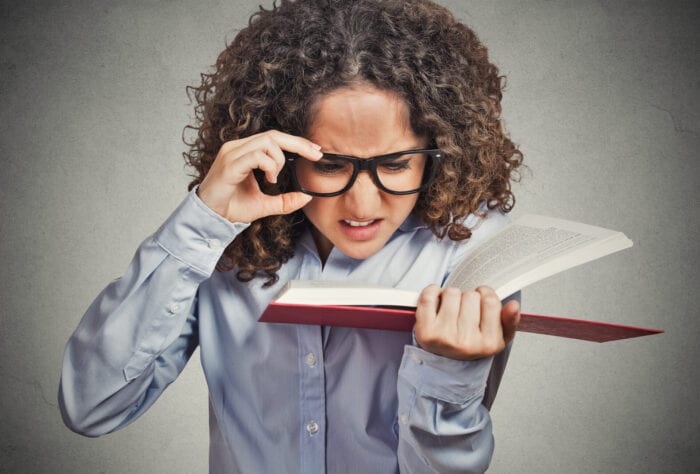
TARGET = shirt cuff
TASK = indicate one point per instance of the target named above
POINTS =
(449, 380)
(196, 235)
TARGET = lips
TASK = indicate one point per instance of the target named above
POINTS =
(360, 230)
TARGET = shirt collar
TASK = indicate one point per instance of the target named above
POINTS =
(412, 222)
(471, 221)
(306, 240)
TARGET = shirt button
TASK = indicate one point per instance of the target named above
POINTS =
(310, 359)
(403, 419)
(312, 427)
(214, 244)
(174, 308)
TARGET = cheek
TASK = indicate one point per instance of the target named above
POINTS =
(318, 209)
(402, 206)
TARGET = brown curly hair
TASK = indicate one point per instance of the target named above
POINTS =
(273, 72)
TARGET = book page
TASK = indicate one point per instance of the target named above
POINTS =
(345, 293)
(535, 246)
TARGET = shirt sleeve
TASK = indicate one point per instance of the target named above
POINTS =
(444, 424)
(499, 365)
(138, 334)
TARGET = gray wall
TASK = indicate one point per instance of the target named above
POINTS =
(603, 98)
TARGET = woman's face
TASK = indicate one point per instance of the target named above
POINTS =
(361, 121)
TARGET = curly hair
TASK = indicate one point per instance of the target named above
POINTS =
(275, 70)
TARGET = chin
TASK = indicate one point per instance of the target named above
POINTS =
(360, 252)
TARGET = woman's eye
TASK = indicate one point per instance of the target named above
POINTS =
(395, 166)
(329, 167)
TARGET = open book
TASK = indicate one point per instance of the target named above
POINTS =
(527, 250)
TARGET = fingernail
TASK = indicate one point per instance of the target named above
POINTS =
(318, 147)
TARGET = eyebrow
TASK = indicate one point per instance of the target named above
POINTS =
(416, 148)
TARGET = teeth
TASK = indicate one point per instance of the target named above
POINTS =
(358, 224)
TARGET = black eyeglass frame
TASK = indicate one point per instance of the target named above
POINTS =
(370, 165)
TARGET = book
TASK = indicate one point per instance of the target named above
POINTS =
(526, 251)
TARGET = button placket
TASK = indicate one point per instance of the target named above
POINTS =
(313, 398)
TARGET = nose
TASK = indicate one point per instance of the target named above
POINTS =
(364, 198)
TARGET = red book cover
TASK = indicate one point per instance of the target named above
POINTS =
(372, 317)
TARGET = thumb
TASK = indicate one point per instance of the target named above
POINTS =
(510, 317)
(288, 202)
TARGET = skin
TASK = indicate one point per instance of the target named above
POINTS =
(360, 121)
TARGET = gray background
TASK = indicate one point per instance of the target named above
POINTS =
(602, 97)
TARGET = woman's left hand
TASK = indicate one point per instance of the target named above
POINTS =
(464, 325)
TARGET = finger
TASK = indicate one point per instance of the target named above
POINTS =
(262, 149)
(274, 141)
(426, 312)
(490, 324)
(296, 144)
(428, 303)
(237, 171)
(447, 319)
(232, 144)
(510, 316)
(285, 203)
(470, 314)
(450, 303)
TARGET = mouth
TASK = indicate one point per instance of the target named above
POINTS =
(360, 230)
(358, 223)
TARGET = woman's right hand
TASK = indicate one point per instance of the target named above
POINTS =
(230, 188)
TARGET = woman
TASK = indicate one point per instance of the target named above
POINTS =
(335, 140)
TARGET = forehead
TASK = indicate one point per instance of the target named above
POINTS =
(362, 121)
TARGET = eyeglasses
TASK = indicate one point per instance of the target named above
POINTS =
(403, 172)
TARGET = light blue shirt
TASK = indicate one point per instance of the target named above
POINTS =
(283, 398)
